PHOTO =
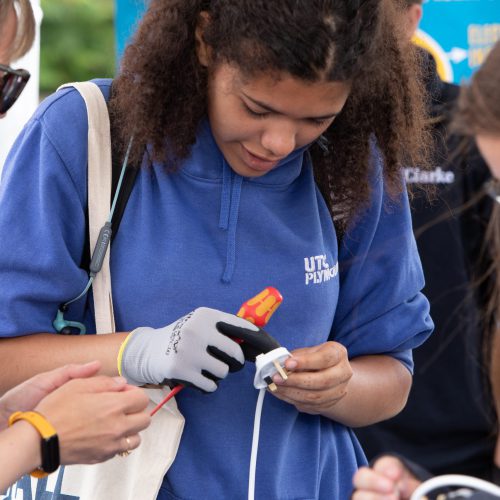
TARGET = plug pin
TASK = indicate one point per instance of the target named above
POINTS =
(280, 370)
(270, 384)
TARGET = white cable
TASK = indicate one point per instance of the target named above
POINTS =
(266, 365)
(452, 480)
(255, 444)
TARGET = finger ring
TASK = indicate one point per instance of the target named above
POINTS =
(126, 452)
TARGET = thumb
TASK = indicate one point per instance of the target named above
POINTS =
(84, 371)
(390, 467)
(97, 384)
(393, 468)
(53, 379)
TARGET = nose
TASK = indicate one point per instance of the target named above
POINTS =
(279, 140)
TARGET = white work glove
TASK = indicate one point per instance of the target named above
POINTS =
(191, 351)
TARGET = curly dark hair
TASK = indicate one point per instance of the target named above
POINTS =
(160, 94)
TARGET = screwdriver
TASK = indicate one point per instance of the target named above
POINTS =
(258, 311)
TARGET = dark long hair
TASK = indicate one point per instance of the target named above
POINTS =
(161, 91)
(479, 113)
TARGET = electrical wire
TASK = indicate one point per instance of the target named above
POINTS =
(167, 398)
(255, 444)
(454, 480)
(83, 293)
(120, 180)
(92, 275)
(255, 437)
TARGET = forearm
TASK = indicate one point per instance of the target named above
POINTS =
(378, 390)
(23, 357)
(19, 453)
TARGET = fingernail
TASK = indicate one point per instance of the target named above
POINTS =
(277, 379)
(120, 380)
(291, 364)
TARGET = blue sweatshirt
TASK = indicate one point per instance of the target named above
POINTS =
(205, 236)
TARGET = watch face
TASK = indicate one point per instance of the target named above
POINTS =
(50, 454)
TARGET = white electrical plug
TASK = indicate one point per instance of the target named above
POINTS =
(267, 365)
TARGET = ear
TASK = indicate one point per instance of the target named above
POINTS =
(414, 16)
(202, 49)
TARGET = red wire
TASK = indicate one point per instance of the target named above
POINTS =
(170, 395)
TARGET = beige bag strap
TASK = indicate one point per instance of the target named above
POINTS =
(141, 474)
(99, 194)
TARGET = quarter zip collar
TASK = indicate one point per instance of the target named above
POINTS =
(206, 162)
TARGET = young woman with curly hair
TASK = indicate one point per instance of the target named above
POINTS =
(271, 137)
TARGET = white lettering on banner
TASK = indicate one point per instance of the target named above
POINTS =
(317, 270)
(436, 176)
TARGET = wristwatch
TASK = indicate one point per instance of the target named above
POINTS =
(49, 442)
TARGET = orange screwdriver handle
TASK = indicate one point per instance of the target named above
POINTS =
(259, 309)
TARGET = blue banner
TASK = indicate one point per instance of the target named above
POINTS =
(127, 15)
(459, 34)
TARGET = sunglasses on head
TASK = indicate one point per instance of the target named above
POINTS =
(12, 83)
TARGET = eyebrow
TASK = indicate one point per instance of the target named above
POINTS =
(272, 110)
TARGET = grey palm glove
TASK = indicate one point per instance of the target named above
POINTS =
(190, 351)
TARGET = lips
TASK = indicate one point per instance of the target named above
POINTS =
(257, 162)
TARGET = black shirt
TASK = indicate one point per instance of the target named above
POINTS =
(448, 425)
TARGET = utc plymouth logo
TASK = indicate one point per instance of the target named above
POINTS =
(318, 270)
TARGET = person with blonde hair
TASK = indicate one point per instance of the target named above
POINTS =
(17, 33)
(479, 117)
(23, 29)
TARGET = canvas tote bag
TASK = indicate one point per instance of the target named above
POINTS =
(140, 474)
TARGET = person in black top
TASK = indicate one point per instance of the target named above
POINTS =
(448, 425)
